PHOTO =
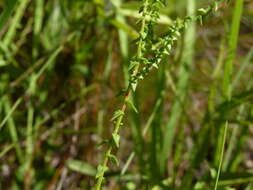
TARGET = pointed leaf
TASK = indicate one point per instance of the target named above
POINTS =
(131, 104)
(134, 85)
(6, 14)
(115, 138)
(132, 65)
(117, 114)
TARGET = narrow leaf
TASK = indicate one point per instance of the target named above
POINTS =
(10, 5)
(134, 85)
(117, 114)
(115, 138)
(131, 104)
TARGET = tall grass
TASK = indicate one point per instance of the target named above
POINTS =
(227, 85)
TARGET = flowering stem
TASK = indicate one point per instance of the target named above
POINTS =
(126, 99)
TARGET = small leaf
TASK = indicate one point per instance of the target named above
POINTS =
(132, 65)
(177, 33)
(100, 171)
(155, 65)
(166, 52)
(143, 35)
(117, 114)
(113, 159)
(134, 85)
(141, 77)
(202, 11)
(115, 138)
(131, 104)
(169, 47)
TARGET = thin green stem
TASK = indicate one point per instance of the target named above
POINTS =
(123, 108)
(105, 161)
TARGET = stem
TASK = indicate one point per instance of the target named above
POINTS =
(105, 161)
(127, 95)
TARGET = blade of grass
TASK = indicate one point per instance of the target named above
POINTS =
(137, 134)
(242, 133)
(16, 104)
(5, 150)
(238, 180)
(15, 22)
(221, 153)
(12, 129)
(156, 128)
(181, 88)
(236, 130)
(244, 65)
(29, 147)
(145, 130)
(38, 18)
(124, 27)
(109, 61)
(29, 133)
(227, 85)
(50, 61)
(6, 14)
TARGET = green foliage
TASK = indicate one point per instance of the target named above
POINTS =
(6, 14)
(117, 114)
(115, 138)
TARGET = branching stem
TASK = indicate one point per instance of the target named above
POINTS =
(127, 95)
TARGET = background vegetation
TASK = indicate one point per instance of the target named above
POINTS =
(63, 66)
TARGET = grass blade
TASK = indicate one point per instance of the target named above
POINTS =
(13, 129)
(15, 22)
(181, 88)
(10, 5)
(227, 85)
(10, 112)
